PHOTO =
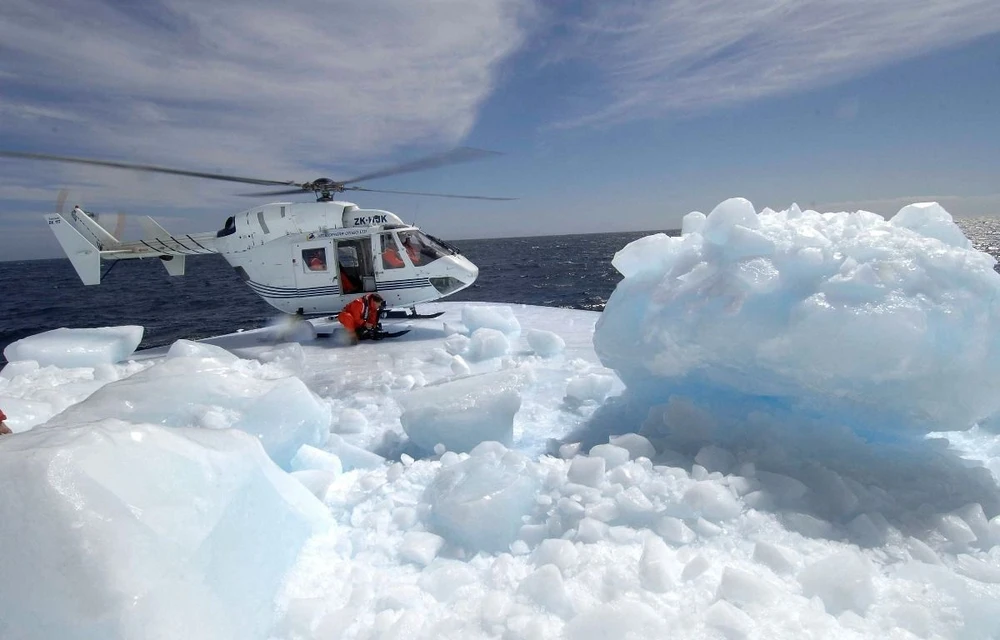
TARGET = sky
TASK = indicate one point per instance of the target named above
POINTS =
(608, 116)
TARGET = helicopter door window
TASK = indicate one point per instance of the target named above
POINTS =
(390, 253)
(314, 259)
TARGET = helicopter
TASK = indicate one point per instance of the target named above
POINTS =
(302, 258)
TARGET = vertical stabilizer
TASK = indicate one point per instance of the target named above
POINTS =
(152, 231)
(82, 253)
(91, 230)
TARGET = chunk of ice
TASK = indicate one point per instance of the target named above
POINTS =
(587, 471)
(545, 343)
(98, 545)
(352, 456)
(733, 623)
(456, 344)
(877, 325)
(67, 348)
(655, 566)
(351, 421)
(929, 219)
(772, 556)
(591, 386)
(613, 455)
(420, 547)
(712, 501)
(556, 551)
(487, 343)
(217, 391)
(491, 317)
(478, 503)
(463, 412)
(843, 581)
(309, 457)
(743, 588)
(545, 587)
(636, 445)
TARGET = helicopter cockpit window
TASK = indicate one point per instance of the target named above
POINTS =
(390, 253)
(314, 259)
(420, 248)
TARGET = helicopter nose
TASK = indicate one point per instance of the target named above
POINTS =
(458, 274)
(472, 271)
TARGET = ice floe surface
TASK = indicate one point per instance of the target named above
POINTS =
(488, 475)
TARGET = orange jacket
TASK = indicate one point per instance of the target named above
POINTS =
(391, 258)
(361, 312)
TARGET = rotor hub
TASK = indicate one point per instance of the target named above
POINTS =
(324, 188)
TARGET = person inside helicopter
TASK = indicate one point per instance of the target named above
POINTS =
(315, 259)
(421, 248)
(390, 253)
(347, 284)
(349, 267)
(413, 250)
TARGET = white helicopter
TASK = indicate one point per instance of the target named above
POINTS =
(301, 258)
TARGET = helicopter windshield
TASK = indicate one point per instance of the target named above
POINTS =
(421, 248)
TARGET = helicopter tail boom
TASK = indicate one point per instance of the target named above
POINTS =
(86, 243)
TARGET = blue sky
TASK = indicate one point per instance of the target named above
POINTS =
(610, 115)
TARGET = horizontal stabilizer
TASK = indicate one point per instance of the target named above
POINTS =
(82, 253)
(156, 235)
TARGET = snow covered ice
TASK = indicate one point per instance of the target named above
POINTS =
(782, 426)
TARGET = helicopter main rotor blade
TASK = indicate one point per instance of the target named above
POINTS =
(143, 167)
(283, 192)
(420, 193)
(455, 156)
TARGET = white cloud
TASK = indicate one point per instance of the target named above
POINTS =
(654, 57)
(250, 88)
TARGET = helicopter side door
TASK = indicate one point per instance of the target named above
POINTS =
(355, 265)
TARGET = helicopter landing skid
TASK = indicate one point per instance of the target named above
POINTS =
(412, 315)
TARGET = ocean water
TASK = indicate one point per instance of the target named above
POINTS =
(571, 271)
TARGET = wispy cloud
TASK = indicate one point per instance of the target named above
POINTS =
(654, 57)
(251, 87)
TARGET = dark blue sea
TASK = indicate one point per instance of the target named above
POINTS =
(571, 271)
(559, 271)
